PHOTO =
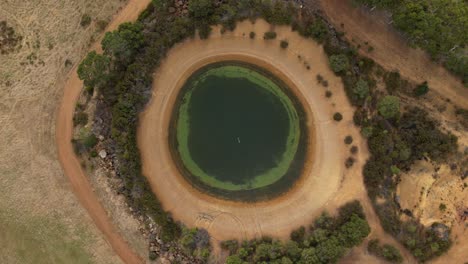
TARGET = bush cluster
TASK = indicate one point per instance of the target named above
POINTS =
(325, 241)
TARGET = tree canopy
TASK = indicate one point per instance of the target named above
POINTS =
(94, 69)
(389, 106)
(339, 63)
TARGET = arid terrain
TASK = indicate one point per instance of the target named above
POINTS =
(49, 209)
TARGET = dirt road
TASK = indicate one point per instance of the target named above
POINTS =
(391, 52)
(70, 163)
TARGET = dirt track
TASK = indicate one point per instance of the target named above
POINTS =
(69, 161)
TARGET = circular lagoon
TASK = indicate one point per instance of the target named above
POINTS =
(237, 132)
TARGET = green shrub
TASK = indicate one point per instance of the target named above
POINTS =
(269, 35)
(101, 25)
(85, 20)
(421, 89)
(348, 140)
(361, 89)
(337, 117)
(284, 44)
(80, 118)
(389, 106)
(387, 252)
(339, 63)
(252, 35)
(89, 141)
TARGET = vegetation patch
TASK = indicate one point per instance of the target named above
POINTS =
(325, 241)
(438, 27)
(10, 41)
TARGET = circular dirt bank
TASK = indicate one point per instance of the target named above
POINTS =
(297, 67)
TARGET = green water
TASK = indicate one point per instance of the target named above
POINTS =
(236, 129)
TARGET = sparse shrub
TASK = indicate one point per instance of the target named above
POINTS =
(349, 162)
(354, 150)
(85, 20)
(284, 44)
(442, 207)
(328, 94)
(337, 117)
(348, 140)
(387, 252)
(421, 89)
(89, 141)
(153, 256)
(101, 25)
(319, 78)
(68, 63)
(269, 35)
(252, 35)
(80, 118)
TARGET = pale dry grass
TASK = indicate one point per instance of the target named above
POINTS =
(40, 218)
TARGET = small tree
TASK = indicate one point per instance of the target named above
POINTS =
(337, 117)
(94, 69)
(361, 89)
(389, 106)
(123, 42)
(317, 30)
(339, 63)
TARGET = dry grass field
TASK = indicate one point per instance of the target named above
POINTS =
(41, 221)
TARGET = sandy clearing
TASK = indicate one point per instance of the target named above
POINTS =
(323, 183)
(391, 52)
(70, 163)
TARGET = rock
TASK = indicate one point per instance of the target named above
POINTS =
(185, 11)
(172, 9)
(181, 3)
(103, 154)
(101, 137)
